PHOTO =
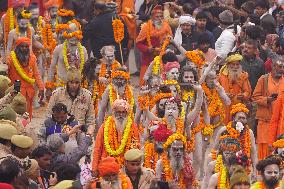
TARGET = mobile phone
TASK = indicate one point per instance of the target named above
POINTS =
(17, 86)
(98, 184)
(275, 95)
(164, 185)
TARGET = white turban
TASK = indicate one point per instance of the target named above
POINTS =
(183, 20)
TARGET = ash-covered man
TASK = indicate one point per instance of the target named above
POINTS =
(70, 53)
(78, 100)
(175, 164)
(141, 177)
(278, 145)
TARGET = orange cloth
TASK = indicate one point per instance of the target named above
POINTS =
(100, 152)
(27, 89)
(108, 165)
(148, 28)
(129, 184)
(276, 126)
(263, 151)
(143, 70)
(242, 86)
(51, 3)
(21, 40)
(265, 87)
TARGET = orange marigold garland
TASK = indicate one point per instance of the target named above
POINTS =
(143, 102)
(238, 108)
(118, 73)
(47, 38)
(78, 34)
(196, 56)
(160, 96)
(179, 125)
(9, 24)
(215, 104)
(65, 12)
(118, 30)
(60, 27)
(151, 156)
(278, 144)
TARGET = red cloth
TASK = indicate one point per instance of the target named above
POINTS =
(6, 186)
(268, 65)
(108, 165)
(161, 134)
(17, 3)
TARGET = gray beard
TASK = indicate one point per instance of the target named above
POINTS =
(157, 25)
(120, 90)
(112, 185)
(176, 164)
(119, 124)
(234, 76)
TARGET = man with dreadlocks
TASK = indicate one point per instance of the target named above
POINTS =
(69, 54)
(227, 148)
(175, 164)
(239, 129)
(270, 173)
(279, 150)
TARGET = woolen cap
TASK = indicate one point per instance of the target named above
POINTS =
(226, 17)
(7, 131)
(22, 141)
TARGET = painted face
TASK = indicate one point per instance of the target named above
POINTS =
(120, 113)
(278, 69)
(174, 90)
(177, 149)
(53, 12)
(119, 81)
(158, 19)
(109, 55)
(171, 110)
(35, 13)
(188, 77)
(73, 40)
(186, 28)
(154, 85)
(280, 151)
(271, 174)
(241, 117)
(227, 155)
(23, 24)
(173, 74)
(192, 65)
(162, 104)
(210, 80)
(111, 177)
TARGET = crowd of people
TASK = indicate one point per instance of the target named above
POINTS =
(204, 109)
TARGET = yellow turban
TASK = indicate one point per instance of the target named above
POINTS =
(229, 59)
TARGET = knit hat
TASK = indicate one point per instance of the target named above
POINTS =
(19, 104)
(248, 7)
(226, 17)
(239, 176)
(4, 84)
(8, 113)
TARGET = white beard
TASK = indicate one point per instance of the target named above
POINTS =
(176, 164)
(120, 125)
(111, 185)
(120, 90)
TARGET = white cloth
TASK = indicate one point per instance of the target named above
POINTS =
(182, 20)
(226, 42)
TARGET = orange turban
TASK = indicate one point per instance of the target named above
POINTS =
(23, 40)
(108, 165)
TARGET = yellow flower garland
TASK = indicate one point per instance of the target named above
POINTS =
(81, 52)
(120, 150)
(186, 94)
(156, 66)
(173, 137)
(20, 70)
(223, 179)
(219, 163)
